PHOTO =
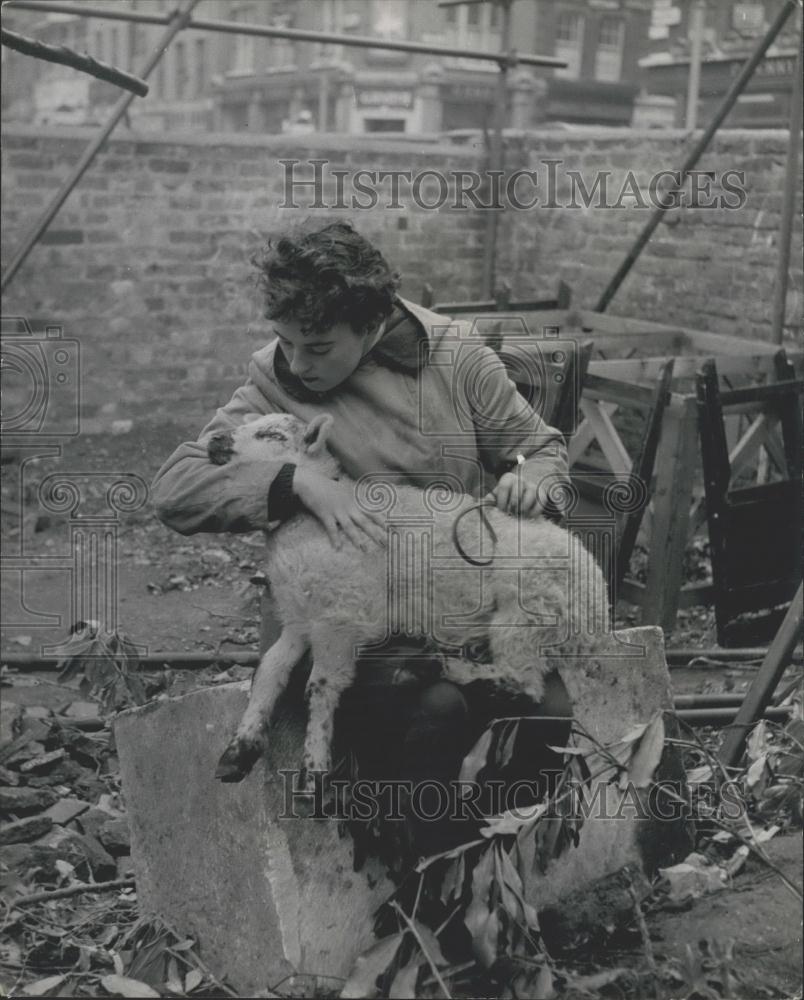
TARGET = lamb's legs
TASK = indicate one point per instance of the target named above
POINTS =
(270, 680)
(333, 672)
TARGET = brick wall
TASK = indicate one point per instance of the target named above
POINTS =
(146, 264)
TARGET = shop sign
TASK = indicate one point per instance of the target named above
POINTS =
(385, 98)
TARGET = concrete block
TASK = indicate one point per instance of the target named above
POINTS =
(624, 687)
(265, 896)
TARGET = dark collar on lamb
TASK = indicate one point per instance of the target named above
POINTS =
(403, 347)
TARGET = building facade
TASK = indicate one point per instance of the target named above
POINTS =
(731, 32)
(230, 82)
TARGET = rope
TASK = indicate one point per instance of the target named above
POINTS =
(463, 554)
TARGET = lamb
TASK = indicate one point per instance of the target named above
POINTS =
(541, 599)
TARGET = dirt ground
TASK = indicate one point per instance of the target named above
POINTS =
(177, 594)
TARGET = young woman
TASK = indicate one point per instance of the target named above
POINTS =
(412, 397)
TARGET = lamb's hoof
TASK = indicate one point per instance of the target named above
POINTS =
(237, 760)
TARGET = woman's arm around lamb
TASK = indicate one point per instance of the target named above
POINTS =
(191, 494)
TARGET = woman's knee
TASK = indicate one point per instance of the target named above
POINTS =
(443, 700)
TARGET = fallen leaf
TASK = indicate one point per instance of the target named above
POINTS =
(125, 987)
(192, 980)
(504, 750)
(453, 879)
(512, 821)
(362, 981)
(756, 771)
(481, 921)
(431, 945)
(648, 753)
(404, 984)
(42, 987)
(757, 742)
(476, 758)
(173, 981)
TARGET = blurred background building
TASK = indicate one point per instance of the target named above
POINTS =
(244, 83)
(730, 32)
(627, 62)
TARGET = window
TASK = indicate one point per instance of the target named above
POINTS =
(281, 51)
(244, 59)
(199, 67)
(332, 18)
(748, 18)
(569, 42)
(389, 18)
(472, 26)
(385, 124)
(609, 55)
(160, 78)
(181, 70)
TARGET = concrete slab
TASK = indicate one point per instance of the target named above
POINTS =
(266, 896)
(263, 896)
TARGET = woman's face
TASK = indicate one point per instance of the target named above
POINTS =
(321, 360)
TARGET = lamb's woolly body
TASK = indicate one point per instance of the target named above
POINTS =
(523, 601)
(542, 599)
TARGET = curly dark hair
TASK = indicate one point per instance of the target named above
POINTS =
(322, 275)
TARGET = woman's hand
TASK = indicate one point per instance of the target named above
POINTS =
(335, 506)
(514, 495)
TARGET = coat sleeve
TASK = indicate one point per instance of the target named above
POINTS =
(190, 494)
(506, 425)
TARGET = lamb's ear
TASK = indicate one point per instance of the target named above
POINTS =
(316, 434)
(220, 447)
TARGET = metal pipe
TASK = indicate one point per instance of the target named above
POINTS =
(728, 101)
(65, 56)
(293, 34)
(497, 152)
(727, 718)
(697, 21)
(28, 662)
(788, 200)
(178, 21)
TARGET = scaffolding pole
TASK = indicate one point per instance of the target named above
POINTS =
(497, 152)
(176, 23)
(788, 200)
(292, 34)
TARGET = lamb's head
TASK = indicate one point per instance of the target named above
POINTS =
(277, 438)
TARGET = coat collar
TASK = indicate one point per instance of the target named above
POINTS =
(405, 347)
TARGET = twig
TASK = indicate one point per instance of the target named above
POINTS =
(218, 614)
(198, 963)
(645, 935)
(415, 932)
(73, 890)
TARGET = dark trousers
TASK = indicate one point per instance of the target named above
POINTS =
(404, 724)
